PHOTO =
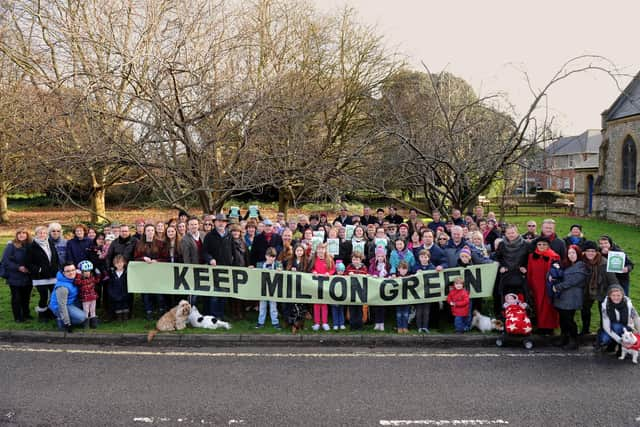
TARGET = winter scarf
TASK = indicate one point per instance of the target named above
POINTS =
(44, 244)
(621, 308)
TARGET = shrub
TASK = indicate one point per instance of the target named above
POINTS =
(547, 197)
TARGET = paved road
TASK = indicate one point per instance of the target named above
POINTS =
(89, 386)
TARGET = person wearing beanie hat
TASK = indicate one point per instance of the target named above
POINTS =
(618, 313)
(606, 244)
(464, 257)
(597, 284)
(575, 236)
(538, 267)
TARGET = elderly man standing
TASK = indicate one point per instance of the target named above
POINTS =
(191, 245)
(548, 230)
(217, 252)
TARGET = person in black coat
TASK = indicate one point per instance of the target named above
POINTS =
(268, 238)
(14, 260)
(43, 265)
(217, 249)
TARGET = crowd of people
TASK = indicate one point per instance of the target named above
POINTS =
(559, 275)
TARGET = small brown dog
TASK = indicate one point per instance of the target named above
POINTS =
(297, 316)
(173, 320)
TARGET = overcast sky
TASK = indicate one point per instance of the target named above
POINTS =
(488, 43)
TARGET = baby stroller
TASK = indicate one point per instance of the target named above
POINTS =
(516, 314)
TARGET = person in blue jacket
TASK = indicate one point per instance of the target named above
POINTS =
(65, 298)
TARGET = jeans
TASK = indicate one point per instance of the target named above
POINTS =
(461, 323)
(378, 314)
(149, 299)
(337, 314)
(216, 306)
(402, 316)
(76, 315)
(273, 311)
(605, 339)
(423, 311)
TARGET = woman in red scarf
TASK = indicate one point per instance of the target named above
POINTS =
(537, 271)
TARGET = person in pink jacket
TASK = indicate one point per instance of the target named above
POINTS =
(321, 263)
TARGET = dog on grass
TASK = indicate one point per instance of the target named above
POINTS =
(297, 317)
(630, 345)
(485, 323)
(197, 320)
(173, 320)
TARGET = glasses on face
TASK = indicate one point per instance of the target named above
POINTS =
(208, 224)
(55, 231)
(443, 239)
(69, 270)
(531, 225)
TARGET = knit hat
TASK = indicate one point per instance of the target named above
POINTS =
(380, 250)
(589, 245)
(615, 287)
(466, 251)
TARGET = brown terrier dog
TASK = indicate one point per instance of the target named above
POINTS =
(173, 320)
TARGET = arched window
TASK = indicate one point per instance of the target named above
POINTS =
(629, 164)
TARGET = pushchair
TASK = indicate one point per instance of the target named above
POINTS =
(516, 314)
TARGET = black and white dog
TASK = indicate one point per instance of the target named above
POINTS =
(197, 320)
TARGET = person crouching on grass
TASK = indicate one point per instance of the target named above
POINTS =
(270, 263)
(458, 299)
(402, 311)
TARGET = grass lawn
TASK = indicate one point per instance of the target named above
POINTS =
(624, 235)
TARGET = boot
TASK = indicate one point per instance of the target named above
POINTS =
(561, 341)
(85, 324)
(43, 316)
(571, 345)
(93, 322)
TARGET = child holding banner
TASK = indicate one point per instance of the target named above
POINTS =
(321, 263)
(356, 312)
(379, 267)
(423, 311)
(270, 263)
(458, 299)
(402, 311)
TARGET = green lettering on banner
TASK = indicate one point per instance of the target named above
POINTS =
(290, 286)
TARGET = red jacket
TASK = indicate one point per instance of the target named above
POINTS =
(87, 287)
(460, 297)
(351, 269)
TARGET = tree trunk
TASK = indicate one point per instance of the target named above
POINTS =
(98, 206)
(284, 200)
(4, 209)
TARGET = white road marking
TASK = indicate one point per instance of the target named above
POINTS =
(442, 422)
(10, 348)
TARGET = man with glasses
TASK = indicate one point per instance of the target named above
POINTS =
(58, 240)
(64, 298)
(530, 235)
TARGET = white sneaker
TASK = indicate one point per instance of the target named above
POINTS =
(315, 327)
(325, 327)
(342, 327)
(335, 327)
(381, 327)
